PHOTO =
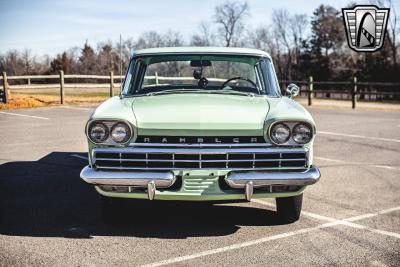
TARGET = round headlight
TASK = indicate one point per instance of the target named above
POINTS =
(98, 132)
(280, 133)
(302, 133)
(120, 132)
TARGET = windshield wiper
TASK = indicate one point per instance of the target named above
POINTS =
(173, 91)
(231, 92)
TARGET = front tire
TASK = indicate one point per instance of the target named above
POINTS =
(289, 208)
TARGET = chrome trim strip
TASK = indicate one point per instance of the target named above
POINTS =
(219, 169)
(200, 145)
(228, 53)
(137, 179)
(196, 160)
(240, 179)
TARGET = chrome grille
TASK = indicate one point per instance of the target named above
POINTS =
(228, 158)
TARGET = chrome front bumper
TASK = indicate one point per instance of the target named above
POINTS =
(251, 179)
(149, 180)
(235, 179)
(238, 179)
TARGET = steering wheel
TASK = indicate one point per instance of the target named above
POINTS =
(238, 78)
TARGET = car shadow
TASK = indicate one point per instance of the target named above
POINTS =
(46, 198)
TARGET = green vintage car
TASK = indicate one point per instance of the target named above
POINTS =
(202, 124)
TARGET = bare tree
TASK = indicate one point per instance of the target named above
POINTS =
(106, 58)
(297, 25)
(205, 37)
(154, 39)
(393, 30)
(289, 32)
(73, 54)
(172, 39)
(128, 46)
(28, 61)
(280, 20)
(264, 38)
(41, 64)
(12, 63)
(148, 40)
(230, 16)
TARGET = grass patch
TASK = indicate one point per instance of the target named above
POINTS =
(68, 94)
(20, 100)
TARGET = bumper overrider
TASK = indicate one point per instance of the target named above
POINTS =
(246, 180)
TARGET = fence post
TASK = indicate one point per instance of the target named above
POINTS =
(354, 93)
(310, 90)
(5, 88)
(111, 83)
(29, 81)
(61, 86)
(156, 77)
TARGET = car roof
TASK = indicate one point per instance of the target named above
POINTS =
(201, 50)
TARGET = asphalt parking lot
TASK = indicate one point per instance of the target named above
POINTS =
(49, 217)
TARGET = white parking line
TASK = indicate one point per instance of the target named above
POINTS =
(331, 160)
(79, 156)
(332, 222)
(309, 214)
(374, 214)
(238, 245)
(358, 163)
(386, 167)
(360, 136)
(23, 115)
(347, 222)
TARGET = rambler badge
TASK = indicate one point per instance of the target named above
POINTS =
(365, 27)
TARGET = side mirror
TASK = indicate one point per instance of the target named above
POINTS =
(293, 90)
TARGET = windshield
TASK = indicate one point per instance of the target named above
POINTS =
(208, 74)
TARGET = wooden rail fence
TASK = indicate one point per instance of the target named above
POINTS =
(307, 88)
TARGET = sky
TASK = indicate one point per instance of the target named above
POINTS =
(52, 26)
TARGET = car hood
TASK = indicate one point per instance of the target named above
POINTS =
(197, 114)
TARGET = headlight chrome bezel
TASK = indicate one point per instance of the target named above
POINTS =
(307, 126)
(124, 125)
(110, 124)
(102, 125)
(291, 124)
(284, 126)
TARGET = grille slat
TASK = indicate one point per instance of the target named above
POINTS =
(179, 160)
(217, 158)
